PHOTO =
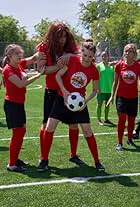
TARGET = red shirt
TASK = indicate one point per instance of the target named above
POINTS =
(50, 78)
(128, 79)
(50, 81)
(13, 93)
(77, 76)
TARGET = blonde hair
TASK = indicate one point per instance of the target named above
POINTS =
(133, 47)
(8, 52)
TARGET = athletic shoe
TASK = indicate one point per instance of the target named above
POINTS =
(99, 167)
(76, 160)
(22, 163)
(42, 165)
(15, 168)
(130, 142)
(119, 147)
(108, 122)
(100, 122)
(135, 136)
(126, 133)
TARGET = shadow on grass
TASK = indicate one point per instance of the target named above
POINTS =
(110, 125)
(32, 172)
(124, 180)
(3, 148)
(134, 148)
(78, 173)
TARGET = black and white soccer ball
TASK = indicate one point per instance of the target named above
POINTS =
(75, 101)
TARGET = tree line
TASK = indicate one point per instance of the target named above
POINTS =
(115, 22)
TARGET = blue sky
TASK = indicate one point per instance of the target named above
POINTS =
(30, 13)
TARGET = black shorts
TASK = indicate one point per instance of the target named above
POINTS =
(61, 112)
(127, 106)
(15, 114)
(49, 97)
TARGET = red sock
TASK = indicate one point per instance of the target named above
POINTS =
(131, 125)
(73, 138)
(41, 133)
(47, 142)
(93, 147)
(121, 126)
(15, 144)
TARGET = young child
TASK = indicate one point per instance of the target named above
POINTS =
(15, 81)
(106, 73)
(127, 73)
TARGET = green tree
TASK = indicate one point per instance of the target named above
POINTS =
(42, 27)
(12, 32)
(118, 21)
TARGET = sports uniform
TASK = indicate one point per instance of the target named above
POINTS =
(106, 73)
(127, 93)
(51, 88)
(14, 97)
(75, 79)
(127, 98)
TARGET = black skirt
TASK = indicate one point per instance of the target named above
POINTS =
(61, 112)
(15, 114)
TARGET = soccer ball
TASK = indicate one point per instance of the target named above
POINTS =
(75, 101)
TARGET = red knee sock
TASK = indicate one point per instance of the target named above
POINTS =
(73, 138)
(41, 133)
(16, 144)
(121, 127)
(93, 147)
(131, 125)
(47, 142)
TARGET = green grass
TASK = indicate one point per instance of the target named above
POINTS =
(107, 192)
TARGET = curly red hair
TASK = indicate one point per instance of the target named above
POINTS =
(51, 40)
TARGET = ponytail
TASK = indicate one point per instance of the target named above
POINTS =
(5, 61)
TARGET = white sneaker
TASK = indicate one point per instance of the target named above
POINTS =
(119, 147)
(126, 133)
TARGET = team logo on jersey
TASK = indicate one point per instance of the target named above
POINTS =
(78, 80)
(129, 77)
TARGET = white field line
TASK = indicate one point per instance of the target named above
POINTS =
(71, 180)
(59, 136)
(34, 87)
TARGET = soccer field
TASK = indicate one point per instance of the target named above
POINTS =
(65, 184)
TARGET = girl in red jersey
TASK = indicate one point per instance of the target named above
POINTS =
(16, 80)
(58, 41)
(68, 79)
(127, 72)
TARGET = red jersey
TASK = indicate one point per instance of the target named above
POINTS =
(50, 81)
(77, 76)
(13, 93)
(50, 78)
(128, 79)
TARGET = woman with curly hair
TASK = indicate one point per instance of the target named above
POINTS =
(58, 43)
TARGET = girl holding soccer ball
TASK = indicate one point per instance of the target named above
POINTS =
(74, 77)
